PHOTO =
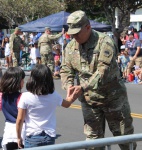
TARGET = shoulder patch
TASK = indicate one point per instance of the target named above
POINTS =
(107, 53)
(106, 56)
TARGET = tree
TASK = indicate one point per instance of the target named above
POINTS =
(3, 23)
(21, 11)
(109, 8)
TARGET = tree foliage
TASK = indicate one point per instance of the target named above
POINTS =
(108, 8)
(22, 11)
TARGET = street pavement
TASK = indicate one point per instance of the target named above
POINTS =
(70, 120)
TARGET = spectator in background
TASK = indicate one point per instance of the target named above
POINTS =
(21, 54)
(57, 57)
(57, 52)
(138, 75)
(8, 58)
(57, 70)
(34, 39)
(133, 30)
(31, 38)
(133, 46)
(35, 55)
(123, 60)
(140, 34)
(1, 36)
(1, 39)
(123, 41)
(122, 48)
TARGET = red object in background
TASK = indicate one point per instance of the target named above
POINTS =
(130, 77)
(67, 36)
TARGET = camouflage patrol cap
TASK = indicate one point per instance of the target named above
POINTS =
(76, 21)
(17, 29)
(48, 28)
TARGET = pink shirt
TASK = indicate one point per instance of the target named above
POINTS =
(136, 36)
(57, 57)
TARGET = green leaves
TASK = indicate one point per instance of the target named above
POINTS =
(22, 11)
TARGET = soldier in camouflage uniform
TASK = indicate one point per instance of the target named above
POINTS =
(15, 46)
(45, 46)
(92, 56)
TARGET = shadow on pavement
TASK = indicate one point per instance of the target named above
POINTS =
(57, 135)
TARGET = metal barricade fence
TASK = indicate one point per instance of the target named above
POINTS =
(94, 143)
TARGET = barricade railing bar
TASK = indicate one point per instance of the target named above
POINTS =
(94, 143)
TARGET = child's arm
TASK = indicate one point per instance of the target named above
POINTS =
(67, 102)
(118, 60)
(2, 45)
(19, 125)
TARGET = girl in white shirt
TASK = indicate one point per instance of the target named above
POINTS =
(34, 55)
(8, 57)
(37, 107)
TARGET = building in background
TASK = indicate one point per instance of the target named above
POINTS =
(135, 18)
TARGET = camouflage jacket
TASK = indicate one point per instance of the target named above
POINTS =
(15, 43)
(95, 64)
(45, 42)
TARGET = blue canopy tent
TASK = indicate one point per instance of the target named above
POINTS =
(56, 22)
(99, 26)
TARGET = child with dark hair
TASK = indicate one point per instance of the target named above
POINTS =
(10, 87)
(7, 54)
(37, 107)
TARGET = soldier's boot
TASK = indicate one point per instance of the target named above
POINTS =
(127, 146)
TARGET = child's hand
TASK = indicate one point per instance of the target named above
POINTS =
(70, 91)
(20, 143)
(74, 92)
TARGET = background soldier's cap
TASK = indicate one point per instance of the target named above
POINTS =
(17, 29)
(76, 21)
(48, 28)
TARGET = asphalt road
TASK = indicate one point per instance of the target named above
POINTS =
(70, 120)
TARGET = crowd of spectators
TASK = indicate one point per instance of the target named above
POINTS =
(30, 51)
(130, 57)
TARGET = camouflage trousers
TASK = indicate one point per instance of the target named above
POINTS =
(116, 113)
(48, 59)
(15, 58)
